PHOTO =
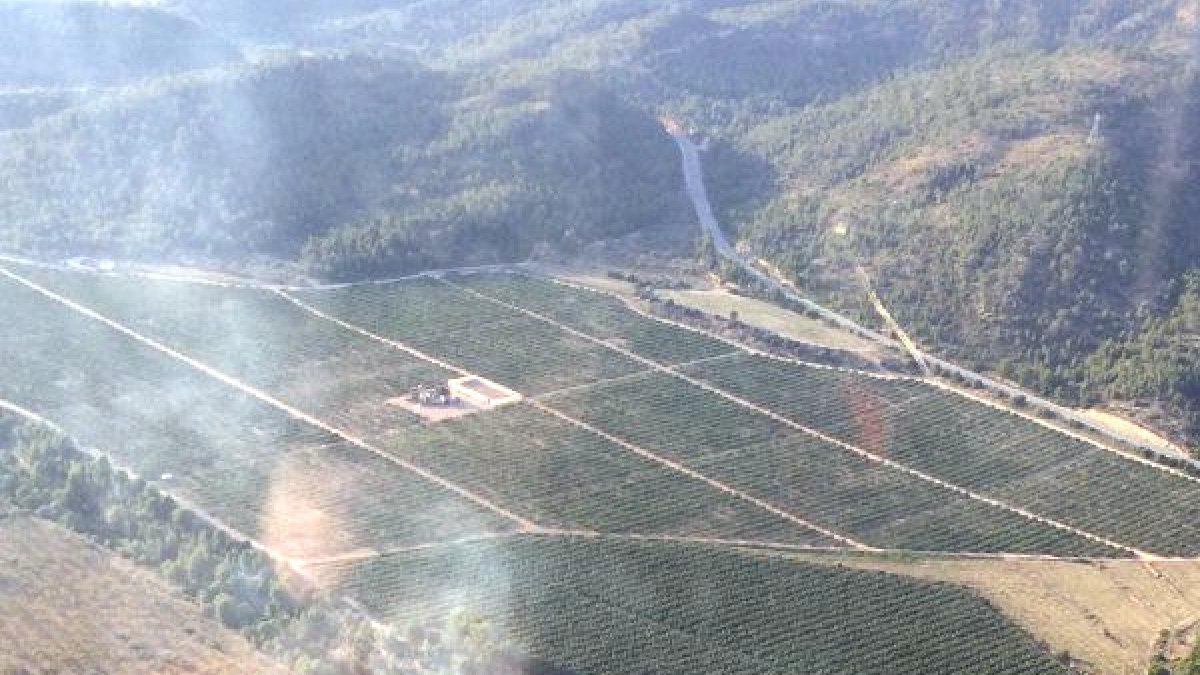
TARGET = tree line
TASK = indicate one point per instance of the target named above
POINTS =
(44, 474)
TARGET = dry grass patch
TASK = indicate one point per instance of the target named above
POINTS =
(1125, 427)
(1041, 150)
(767, 316)
(69, 606)
(1108, 614)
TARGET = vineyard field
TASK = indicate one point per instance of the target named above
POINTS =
(232, 455)
(502, 344)
(601, 606)
(639, 511)
(598, 315)
(263, 339)
(564, 477)
(875, 504)
(978, 447)
(225, 449)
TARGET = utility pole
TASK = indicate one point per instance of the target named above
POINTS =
(1097, 133)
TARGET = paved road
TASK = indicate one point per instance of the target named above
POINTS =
(693, 175)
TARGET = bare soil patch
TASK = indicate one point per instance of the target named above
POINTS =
(433, 414)
(1109, 615)
(1132, 429)
(762, 314)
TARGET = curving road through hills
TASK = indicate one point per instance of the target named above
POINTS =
(693, 175)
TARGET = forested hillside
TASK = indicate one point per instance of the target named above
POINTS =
(84, 43)
(361, 165)
(1018, 209)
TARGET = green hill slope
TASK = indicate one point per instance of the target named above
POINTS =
(368, 166)
(75, 43)
(1015, 210)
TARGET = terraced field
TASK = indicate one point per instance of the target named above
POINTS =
(643, 448)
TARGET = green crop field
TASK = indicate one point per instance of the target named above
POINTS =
(598, 315)
(878, 505)
(261, 338)
(605, 606)
(499, 343)
(978, 447)
(229, 453)
(564, 477)
(644, 465)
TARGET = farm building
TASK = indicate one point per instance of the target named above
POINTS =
(481, 392)
(433, 395)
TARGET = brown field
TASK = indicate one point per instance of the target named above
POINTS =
(1108, 615)
(69, 606)
(765, 315)
(1121, 425)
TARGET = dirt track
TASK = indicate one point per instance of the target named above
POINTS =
(273, 402)
(1025, 513)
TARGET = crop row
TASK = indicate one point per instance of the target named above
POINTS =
(829, 485)
(598, 315)
(264, 340)
(979, 447)
(562, 476)
(661, 412)
(228, 452)
(614, 607)
(317, 501)
(884, 507)
(499, 343)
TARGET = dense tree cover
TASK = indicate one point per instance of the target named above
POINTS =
(1014, 210)
(82, 43)
(559, 161)
(371, 166)
(1159, 361)
(43, 473)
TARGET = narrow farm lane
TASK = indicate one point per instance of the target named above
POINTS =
(523, 523)
(1012, 508)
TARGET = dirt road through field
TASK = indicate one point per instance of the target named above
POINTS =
(266, 398)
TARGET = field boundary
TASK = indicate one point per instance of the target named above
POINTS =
(711, 482)
(738, 346)
(627, 377)
(537, 404)
(1025, 513)
(273, 402)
